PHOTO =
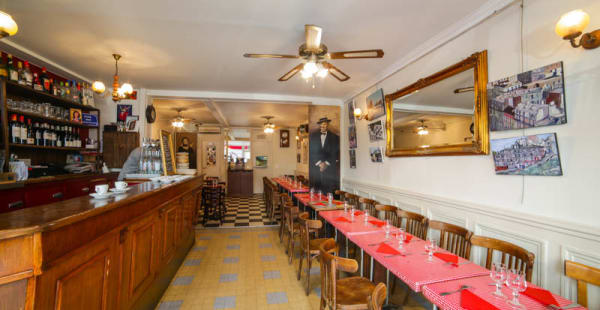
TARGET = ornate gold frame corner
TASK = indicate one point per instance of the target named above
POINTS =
(481, 143)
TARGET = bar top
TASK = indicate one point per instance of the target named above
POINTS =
(54, 215)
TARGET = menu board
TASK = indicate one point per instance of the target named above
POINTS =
(166, 149)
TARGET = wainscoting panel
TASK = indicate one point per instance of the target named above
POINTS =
(552, 241)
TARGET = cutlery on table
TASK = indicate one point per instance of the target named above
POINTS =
(571, 306)
(378, 243)
(458, 264)
(462, 287)
(388, 256)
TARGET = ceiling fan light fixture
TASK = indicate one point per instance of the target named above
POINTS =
(310, 68)
(8, 26)
(98, 87)
(423, 131)
(322, 71)
(127, 88)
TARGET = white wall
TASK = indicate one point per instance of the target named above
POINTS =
(554, 217)
(108, 110)
(280, 160)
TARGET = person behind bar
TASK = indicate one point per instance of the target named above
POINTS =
(132, 164)
(324, 156)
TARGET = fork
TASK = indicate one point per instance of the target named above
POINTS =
(462, 287)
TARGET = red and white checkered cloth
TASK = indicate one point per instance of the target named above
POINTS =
(358, 227)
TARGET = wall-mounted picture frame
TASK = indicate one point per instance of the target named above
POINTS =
(376, 154)
(132, 123)
(352, 154)
(527, 155)
(75, 115)
(284, 138)
(376, 130)
(375, 105)
(261, 161)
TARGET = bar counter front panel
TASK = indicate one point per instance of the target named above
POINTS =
(85, 254)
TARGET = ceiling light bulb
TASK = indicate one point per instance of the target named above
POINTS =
(423, 131)
(98, 87)
(305, 74)
(310, 67)
(8, 26)
(357, 112)
(322, 72)
(127, 88)
(572, 23)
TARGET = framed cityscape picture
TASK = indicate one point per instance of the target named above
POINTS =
(527, 155)
(530, 99)
(376, 154)
(375, 105)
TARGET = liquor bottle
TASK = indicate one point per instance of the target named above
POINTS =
(69, 142)
(54, 88)
(59, 136)
(38, 134)
(65, 137)
(28, 75)
(67, 90)
(3, 67)
(75, 91)
(37, 84)
(61, 89)
(30, 133)
(22, 79)
(12, 71)
(15, 130)
(46, 81)
(23, 128)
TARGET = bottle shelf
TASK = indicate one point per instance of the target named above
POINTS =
(13, 87)
(48, 119)
(32, 146)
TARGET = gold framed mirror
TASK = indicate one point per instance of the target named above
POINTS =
(442, 114)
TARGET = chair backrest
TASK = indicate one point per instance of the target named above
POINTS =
(453, 238)
(583, 274)
(389, 213)
(341, 195)
(377, 298)
(330, 266)
(307, 227)
(352, 199)
(514, 256)
(416, 224)
(369, 204)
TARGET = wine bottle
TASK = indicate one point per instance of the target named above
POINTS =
(23, 128)
(28, 75)
(37, 84)
(46, 81)
(15, 130)
(22, 78)
(30, 134)
(12, 71)
(38, 134)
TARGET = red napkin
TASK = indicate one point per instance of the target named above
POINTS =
(541, 295)
(319, 204)
(338, 203)
(470, 301)
(377, 223)
(386, 249)
(358, 213)
(342, 219)
(450, 258)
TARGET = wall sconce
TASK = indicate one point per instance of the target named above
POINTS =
(360, 115)
(571, 25)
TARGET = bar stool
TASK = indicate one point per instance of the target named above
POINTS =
(211, 196)
(309, 247)
(453, 238)
(346, 293)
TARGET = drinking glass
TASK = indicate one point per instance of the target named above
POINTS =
(330, 198)
(352, 213)
(387, 227)
(518, 284)
(430, 247)
(400, 237)
(345, 207)
(366, 216)
(320, 194)
(498, 275)
(312, 193)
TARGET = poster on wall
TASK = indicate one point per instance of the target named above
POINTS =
(123, 110)
(375, 105)
(210, 155)
(350, 108)
(352, 143)
(375, 131)
(530, 99)
(185, 143)
(376, 155)
(304, 151)
(352, 159)
(324, 148)
(527, 155)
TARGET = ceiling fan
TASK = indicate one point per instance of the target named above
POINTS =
(268, 127)
(315, 56)
(179, 120)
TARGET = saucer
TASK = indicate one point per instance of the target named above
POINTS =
(101, 196)
(119, 191)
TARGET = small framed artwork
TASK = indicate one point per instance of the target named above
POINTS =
(75, 115)
(527, 155)
(124, 110)
(375, 105)
(298, 158)
(132, 122)
(376, 131)
(352, 159)
(376, 155)
(284, 138)
(260, 161)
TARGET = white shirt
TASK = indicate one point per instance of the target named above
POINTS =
(323, 137)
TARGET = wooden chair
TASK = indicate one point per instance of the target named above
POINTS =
(416, 224)
(292, 227)
(309, 247)
(453, 238)
(583, 274)
(377, 298)
(389, 213)
(369, 205)
(346, 293)
(341, 195)
(274, 201)
(352, 199)
(284, 199)
(514, 256)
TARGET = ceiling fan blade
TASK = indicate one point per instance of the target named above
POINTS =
(291, 73)
(269, 56)
(313, 37)
(335, 72)
(357, 54)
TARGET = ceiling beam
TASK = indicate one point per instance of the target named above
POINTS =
(216, 112)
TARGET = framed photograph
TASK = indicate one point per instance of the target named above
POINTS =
(534, 98)
(375, 105)
(376, 131)
(132, 122)
(352, 159)
(350, 107)
(260, 161)
(376, 155)
(527, 155)
(284, 138)
(75, 115)
(210, 154)
(298, 158)
(124, 110)
(352, 142)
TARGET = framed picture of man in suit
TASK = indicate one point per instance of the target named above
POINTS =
(324, 148)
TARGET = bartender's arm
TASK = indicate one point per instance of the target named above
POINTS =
(132, 163)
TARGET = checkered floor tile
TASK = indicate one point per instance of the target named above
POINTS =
(243, 212)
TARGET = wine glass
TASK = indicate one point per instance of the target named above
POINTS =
(430, 247)
(320, 194)
(400, 237)
(366, 216)
(387, 228)
(312, 193)
(352, 213)
(330, 198)
(518, 284)
(498, 275)
(345, 207)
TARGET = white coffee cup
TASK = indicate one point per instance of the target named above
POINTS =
(120, 185)
(101, 189)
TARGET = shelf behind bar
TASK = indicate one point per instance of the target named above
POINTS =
(49, 119)
(28, 92)
(31, 146)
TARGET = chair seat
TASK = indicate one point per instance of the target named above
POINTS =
(315, 243)
(353, 291)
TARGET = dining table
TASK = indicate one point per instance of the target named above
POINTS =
(317, 203)
(290, 187)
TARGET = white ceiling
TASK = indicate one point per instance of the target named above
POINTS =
(166, 109)
(198, 44)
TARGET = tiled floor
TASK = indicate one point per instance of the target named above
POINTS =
(243, 268)
(243, 212)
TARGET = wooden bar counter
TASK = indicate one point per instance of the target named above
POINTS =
(90, 254)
